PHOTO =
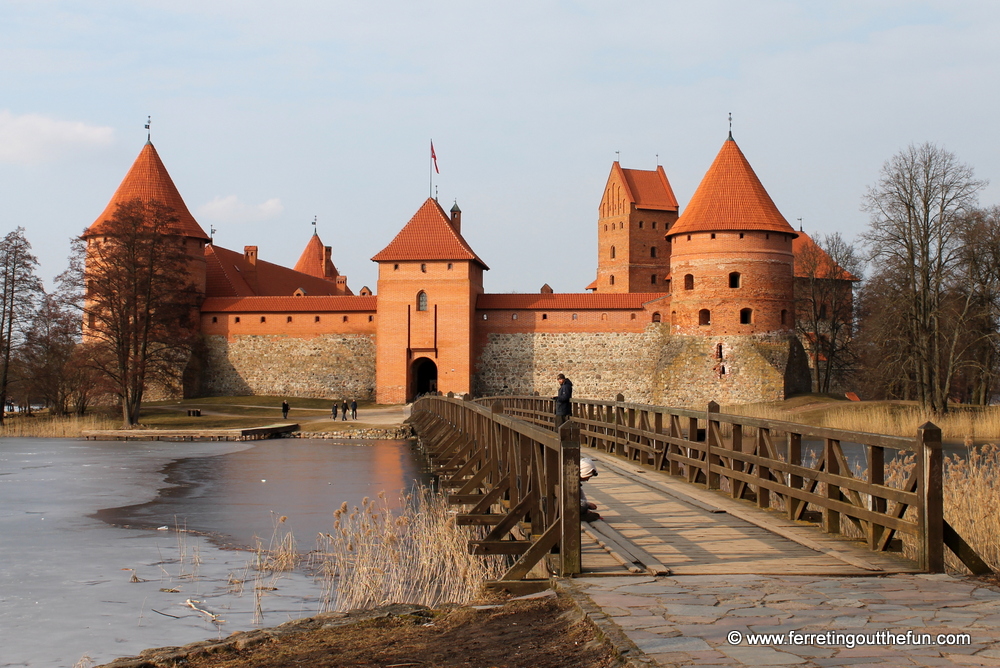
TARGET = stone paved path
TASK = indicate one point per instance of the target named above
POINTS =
(688, 620)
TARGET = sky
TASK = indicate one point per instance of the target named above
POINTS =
(270, 115)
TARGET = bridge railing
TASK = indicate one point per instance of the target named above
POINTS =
(800, 470)
(517, 478)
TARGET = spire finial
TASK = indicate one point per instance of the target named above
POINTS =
(149, 121)
(800, 224)
(730, 126)
(618, 156)
(211, 234)
(314, 225)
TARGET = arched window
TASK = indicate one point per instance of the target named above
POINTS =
(704, 317)
(604, 316)
(746, 316)
(612, 280)
(654, 224)
(574, 316)
(656, 317)
(652, 252)
(421, 301)
(612, 252)
(688, 282)
(423, 268)
(718, 351)
(632, 317)
(734, 279)
(288, 319)
(263, 318)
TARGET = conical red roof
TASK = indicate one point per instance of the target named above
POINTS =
(148, 180)
(313, 259)
(428, 236)
(730, 197)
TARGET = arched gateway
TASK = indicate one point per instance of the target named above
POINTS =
(424, 377)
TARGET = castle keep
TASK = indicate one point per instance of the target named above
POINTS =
(687, 307)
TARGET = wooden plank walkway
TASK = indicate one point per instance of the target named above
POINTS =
(693, 531)
(247, 434)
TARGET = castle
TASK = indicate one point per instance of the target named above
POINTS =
(687, 307)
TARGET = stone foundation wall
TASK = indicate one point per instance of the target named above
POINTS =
(330, 365)
(651, 367)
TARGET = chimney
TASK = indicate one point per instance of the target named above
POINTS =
(250, 275)
(328, 269)
(456, 218)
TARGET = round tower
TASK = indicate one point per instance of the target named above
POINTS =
(731, 256)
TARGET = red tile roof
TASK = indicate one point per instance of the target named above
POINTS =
(811, 261)
(304, 304)
(428, 236)
(227, 273)
(313, 260)
(148, 180)
(730, 197)
(649, 189)
(567, 301)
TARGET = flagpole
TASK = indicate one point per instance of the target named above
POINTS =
(430, 171)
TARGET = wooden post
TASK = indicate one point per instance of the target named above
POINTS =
(712, 462)
(932, 501)
(736, 486)
(569, 465)
(793, 455)
(831, 518)
(876, 476)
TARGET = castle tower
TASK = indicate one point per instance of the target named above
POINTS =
(731, 256)
(637, 209)
(429, 280)
(148, 180)
(317, 260)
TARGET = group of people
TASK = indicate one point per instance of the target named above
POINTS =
(343, 406)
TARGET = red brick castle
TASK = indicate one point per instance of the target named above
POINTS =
(685, 308)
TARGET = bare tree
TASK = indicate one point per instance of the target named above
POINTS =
(20, 291)
(824, 295)
(139, 305)
(918, 208)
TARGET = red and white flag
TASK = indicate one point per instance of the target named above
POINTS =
(434, 158)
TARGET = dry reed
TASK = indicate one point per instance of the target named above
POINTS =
(70, 426)
(375, 556)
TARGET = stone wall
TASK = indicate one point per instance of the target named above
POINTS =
(329, 365)
(650, 367)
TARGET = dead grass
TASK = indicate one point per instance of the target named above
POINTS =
(375, 556)
(70, 426)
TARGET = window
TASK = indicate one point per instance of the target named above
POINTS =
(666, 285)
(263, 319)
(484, 317)
(345, 318)
(423, 268)
(605, 227)
(718, 351)
(371, 318)
(734, 279)
(612, 252)
(604, 316)
(236, 319)
(632, 316)
(317, 319)
(545, 316)
(654, 224)
(215, 318)
(395, 267)
(612, 280)
(704, 317)
(822, 311)
(652, 252)
(450, 266)
(746, 316)
(640, 224)
(513, 316)
(741, 235)
(784, 316)
(713, 235)
(574, 316)
(656, 317)
(689, 237)
(688, 282)
(652, 279)
(289, 319)
(421, 301)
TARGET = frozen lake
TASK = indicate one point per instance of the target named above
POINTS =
(79, 518)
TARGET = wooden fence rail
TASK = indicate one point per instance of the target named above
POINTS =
(519, 479)
(800, 470)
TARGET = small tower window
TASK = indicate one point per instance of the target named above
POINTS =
(718, 351)
(734, 279)
(632, 316)
(371, 318)
(215, 319)
(574, 316)
(345, 318)
(688, 282)
(513, 316)
(450, 266)
(713, 235)
(652, 279)
(395, 267)
(545, 316)
(485, 317)
(288, 319)
(654, 224)
(604, 316)
(704, 317)
(317, 319)
(784, 317)
(822, 311)
(746, 316)
(423, 268)
(612, 252)
(612, 280)
(263, 319)
(741, 235)
(656, 317)
(236, 319)
(605, 227)
(652, 252)
(640, 224)
(421, 301)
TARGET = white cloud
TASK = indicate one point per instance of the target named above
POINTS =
(33, 138)
(231, 210)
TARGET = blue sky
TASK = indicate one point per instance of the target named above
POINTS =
(268, 114)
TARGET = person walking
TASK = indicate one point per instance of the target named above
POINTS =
(284, 410)
(354, 409)
(343, 408)
(563, 407)
(334, 410)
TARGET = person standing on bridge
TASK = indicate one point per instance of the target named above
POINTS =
(563, 399)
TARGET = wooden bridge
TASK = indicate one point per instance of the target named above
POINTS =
(686, 492)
